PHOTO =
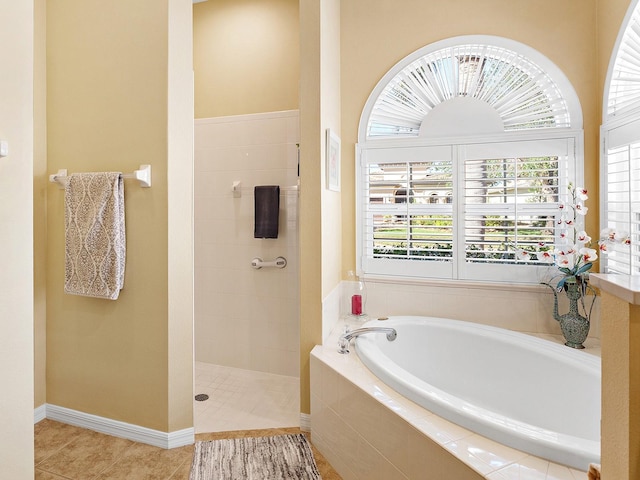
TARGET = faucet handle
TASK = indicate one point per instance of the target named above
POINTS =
(343, 344)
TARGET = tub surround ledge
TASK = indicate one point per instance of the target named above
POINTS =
(625, 287)
(620, 343)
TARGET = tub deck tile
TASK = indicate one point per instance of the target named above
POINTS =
(534, 468)
(490, 455)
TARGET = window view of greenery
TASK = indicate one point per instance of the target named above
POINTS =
(508, 204)
(412, 210)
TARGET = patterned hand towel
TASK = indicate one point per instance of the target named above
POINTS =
(94, 235)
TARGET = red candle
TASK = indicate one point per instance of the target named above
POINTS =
(356, 305)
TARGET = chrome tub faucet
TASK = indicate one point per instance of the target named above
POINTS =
(345, 338)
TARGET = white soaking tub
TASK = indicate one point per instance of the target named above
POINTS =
(525, 392)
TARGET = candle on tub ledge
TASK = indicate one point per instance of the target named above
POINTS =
(356, 305)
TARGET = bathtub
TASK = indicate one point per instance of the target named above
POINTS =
(524, 392)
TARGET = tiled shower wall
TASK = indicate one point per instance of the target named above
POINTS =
(246, 318)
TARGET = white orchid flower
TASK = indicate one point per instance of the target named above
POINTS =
(581, 193)
(566, 260)
(608, 234)
(603, 246)
(621, 237)
(583, 237)
(589, 254)
(581, 209)
(546, 257)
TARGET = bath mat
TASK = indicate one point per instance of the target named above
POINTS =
(280, 457)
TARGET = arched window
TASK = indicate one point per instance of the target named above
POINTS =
(620, 155)
(495, 130)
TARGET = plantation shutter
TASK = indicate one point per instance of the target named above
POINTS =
(510, 203)
(620, 156)
(624, 89)
(522, 94)
(621, 208)
(511, 196)
(408, 211)
(462, 212)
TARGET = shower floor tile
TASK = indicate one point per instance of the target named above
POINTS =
(244, 399)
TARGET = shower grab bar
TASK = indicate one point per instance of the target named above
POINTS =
(258, 263)
(143, 175)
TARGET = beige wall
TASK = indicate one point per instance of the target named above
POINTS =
(330, 118)
(180, 134)
(40, 188)
(310, 191)
(111, 106)
(320, 209)
(246, 57)
(16, 233)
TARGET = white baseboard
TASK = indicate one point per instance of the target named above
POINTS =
(39, 413)
(305, 422)
(116, 428)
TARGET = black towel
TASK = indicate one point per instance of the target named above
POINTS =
(267, 211)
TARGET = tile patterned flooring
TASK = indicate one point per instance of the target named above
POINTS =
(65, 452)
(241, 403)
(244, 399)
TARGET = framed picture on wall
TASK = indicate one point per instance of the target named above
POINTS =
(333, 161)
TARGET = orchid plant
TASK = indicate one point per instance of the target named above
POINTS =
(573, 255)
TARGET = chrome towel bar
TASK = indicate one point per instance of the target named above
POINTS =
(143, 175)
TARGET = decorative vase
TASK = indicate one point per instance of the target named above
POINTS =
(574, 326)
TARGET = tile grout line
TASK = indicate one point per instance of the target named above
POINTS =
(178, 468)
(117, 459)
(52, 473)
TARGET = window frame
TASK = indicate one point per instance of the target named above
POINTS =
(572, 130)
(460, 270)
(563, 84)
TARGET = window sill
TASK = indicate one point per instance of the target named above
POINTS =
(466, 284)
